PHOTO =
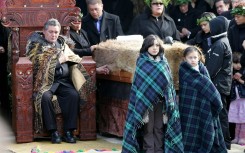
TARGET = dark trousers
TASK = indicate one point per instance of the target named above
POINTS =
(153, 131)
(68, 100)
(223, 116)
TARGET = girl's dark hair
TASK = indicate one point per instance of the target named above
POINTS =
(236, 57)
(191, 49)
(149, 41)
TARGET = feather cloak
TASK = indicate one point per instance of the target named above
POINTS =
(44, 58)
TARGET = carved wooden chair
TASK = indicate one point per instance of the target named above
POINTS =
(24, 17)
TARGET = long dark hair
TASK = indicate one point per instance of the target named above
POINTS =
(149, 41)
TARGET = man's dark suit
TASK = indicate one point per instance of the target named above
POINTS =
(110, 28)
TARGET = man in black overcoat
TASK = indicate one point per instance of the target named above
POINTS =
(99, 24)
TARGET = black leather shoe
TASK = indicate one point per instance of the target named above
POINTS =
(68, 137)
(55, 137)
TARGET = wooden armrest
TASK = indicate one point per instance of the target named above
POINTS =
(22, 78)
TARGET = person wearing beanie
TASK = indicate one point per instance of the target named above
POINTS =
(218, 61)
(154, 21)
(202, 38)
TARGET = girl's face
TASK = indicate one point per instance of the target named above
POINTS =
(192, 58)
(237, 66)
(205, 26)
(154, 49)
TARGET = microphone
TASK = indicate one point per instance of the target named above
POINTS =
(169, 40)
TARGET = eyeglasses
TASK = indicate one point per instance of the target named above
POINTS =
(156, 3)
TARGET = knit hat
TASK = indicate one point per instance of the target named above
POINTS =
(165, 2)
(239, 9)
(180, 2)
(206, 16)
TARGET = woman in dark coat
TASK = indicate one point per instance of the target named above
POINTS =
(154, 21)
(185, 18)
(236, 32)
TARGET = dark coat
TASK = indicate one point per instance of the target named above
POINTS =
(82, 46)
(202, 6)
(186, 20)
(110, 28)
(117, 7)
(145, 24)
(227, 14)
(236, 35)
(202, 40)
(240, 87)
(219, 58)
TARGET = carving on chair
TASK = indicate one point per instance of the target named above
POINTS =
(15, 45)
(34, 18)
(67, 3)
(41, 17)
(22, 100)
(11, 3)
(24, 77)
(66, 31)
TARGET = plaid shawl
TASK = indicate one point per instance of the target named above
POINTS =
(44, 59)
(200, 104)
(152, 80)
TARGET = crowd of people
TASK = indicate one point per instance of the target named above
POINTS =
(211, 94)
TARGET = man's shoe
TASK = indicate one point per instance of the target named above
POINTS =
(55, 137)
(68, 137)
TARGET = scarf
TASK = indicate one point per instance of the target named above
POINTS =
(44, 58)
(152, 82)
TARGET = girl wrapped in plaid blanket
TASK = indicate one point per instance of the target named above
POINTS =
(153, 108)
(199, 105)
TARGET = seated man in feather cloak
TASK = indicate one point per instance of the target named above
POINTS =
(56, 71)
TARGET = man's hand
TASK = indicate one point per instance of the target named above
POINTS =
(93, 47)
(2, 50)
(185, 32)
(103, 70)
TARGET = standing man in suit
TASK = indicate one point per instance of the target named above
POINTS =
(99, 24)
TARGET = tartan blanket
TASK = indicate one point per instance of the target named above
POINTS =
(44, 58)
(152, 81)
(199, 105)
